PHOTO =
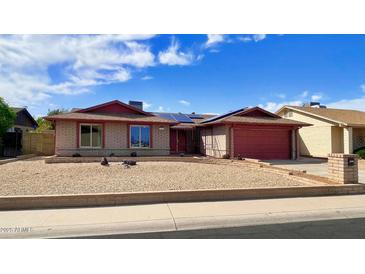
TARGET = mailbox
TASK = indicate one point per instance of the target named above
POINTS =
(350, 161)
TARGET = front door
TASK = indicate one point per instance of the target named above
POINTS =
(181, 142)
(177, 141)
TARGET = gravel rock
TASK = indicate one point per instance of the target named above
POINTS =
(34, 177)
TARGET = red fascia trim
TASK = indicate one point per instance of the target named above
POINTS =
(260, 109)
(112, 121)
(115, 102)
(258, 124)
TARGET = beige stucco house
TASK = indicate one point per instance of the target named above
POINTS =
(332, 130)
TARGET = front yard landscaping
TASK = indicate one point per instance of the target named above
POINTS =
(34, 177)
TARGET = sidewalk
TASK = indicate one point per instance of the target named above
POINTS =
(53, 223)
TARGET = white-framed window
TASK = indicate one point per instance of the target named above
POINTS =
(139, 136)
(90, 135)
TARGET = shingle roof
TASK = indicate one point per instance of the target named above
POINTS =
(243, 116)
(347, 116)
(258, 120)
(112, 117)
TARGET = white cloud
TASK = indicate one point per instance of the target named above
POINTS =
(86, 61)
(273, 106)
(172, 56)
(160, 109)
(214, 39)
(258, 37)
(147, 77)
(363, 87)
(316, 97)
(304, 94)
(281, 95)
(357, 104)
(185, 103)
(146, 105)
(245, 39)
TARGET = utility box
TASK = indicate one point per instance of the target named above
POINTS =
(343, 168)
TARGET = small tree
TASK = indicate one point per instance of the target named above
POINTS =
(7, 117)
(46, 125)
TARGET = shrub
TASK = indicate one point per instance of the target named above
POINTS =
(226, 156)
(361, 152)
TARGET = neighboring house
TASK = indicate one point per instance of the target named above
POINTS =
(120, 129)
(13, 139)
(24, 121)
(332, 130)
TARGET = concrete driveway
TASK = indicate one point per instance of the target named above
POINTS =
(313, 166)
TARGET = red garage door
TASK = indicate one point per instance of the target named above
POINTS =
(262, 142)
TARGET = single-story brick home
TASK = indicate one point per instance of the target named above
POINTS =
(119, 129)
(332, 130)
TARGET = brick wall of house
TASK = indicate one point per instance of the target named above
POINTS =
(116, 141)
(65, 135)
(161, 138)
(116, 135)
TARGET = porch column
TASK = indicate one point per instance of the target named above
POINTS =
(293, 144)
(347, 140)
(297, 142)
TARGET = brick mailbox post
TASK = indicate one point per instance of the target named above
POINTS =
(343, 168)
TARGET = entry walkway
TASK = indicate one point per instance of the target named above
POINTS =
(127, 220)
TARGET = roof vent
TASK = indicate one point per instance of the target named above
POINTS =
(136, 104)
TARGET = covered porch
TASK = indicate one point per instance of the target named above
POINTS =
(347, 139)
(184, 139)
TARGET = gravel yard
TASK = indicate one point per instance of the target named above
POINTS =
(34, 177)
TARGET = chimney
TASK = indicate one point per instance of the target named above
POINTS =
(136, 104)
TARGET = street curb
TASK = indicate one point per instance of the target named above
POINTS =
(113, 199)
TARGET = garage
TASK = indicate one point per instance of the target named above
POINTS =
(262, 142)
(251, 133)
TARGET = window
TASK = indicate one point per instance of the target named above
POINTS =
(140, 136)
(90, 136)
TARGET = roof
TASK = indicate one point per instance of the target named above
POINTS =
(221, 116)
(239, 117)
(114, 102)
(112, 117)
(18, 110)
(263, 120)
(347, 117)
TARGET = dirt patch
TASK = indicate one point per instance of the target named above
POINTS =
(34, 177)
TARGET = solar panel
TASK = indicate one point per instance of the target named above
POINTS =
(166, 116)
(223, 115)
(178, 117)
(182, 118)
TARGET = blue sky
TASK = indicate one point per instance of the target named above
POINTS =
(182, 73)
